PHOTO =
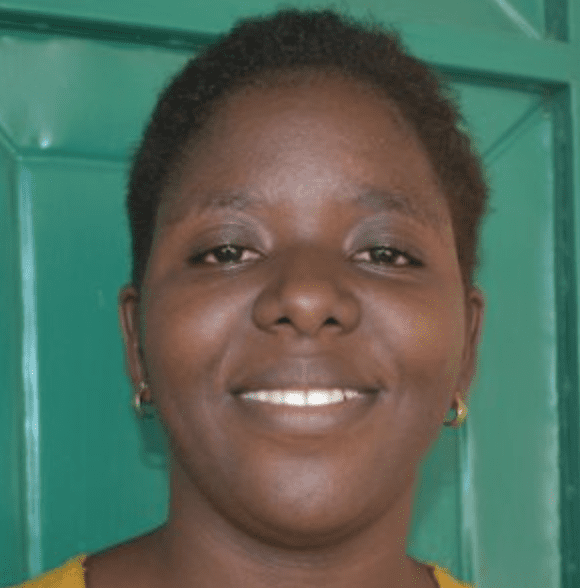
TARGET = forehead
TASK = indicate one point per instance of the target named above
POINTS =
(318, 134)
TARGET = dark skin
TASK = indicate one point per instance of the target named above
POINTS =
(341, 272)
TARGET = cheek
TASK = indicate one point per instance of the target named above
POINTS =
(187, 336)
(426, 339)
(186, 332)
(435, 332)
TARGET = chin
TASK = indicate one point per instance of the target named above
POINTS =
(297, 529)
(308, 516)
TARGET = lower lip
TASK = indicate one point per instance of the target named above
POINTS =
(307, 420)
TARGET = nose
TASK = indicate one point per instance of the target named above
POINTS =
(306, 294)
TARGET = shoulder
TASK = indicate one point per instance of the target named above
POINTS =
(446, 580)
(69, 575)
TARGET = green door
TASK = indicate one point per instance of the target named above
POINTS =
(498, 499)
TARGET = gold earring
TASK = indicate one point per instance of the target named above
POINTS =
(461, 415)
(139, 405)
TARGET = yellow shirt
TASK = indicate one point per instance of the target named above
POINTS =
(70, 575)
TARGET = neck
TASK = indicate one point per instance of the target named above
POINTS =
(200, 547)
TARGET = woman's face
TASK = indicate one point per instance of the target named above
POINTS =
(305, 247)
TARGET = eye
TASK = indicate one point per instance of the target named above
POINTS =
(227, 254)
(387, 255)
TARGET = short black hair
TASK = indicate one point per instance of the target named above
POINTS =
(320, 40)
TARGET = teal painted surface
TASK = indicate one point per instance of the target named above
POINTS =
(70, 95)
(12, 538)
(30, 372)
(556, 20)
(515, 17)
(446, 43)
(562, 106)
(488, 506)
(492, 56)
(513, 434)
(100, 484)
(574, 21)
(434, 533)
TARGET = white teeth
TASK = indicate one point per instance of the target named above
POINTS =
(320, 397)
(352, 393)
(314, 397)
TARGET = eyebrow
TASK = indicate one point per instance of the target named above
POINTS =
(208, 201)
(374, 198)
(381, 200)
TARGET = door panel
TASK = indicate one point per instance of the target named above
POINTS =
(513, 435)
(12, 522)
(77, 97)
(97, 487)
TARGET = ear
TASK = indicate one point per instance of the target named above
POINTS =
(475, 306)
(128, 304)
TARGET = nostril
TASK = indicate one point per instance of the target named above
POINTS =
(331, 321)
(283, 321)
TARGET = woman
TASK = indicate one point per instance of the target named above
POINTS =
(302, 315)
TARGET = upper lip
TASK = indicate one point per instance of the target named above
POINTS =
(303, 374)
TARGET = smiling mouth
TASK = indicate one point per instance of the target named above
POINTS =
(303, 397)
(299, 411)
